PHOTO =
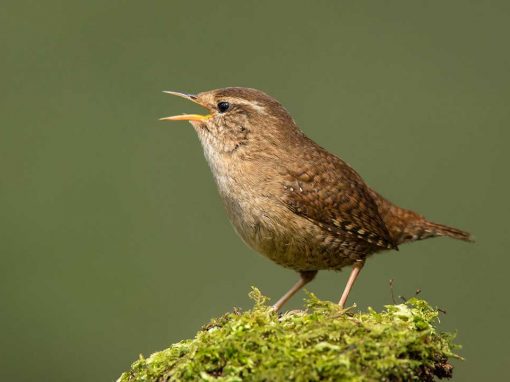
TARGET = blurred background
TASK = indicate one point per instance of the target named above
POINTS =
(113, 240)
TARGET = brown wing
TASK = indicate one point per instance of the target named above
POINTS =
(327, 191)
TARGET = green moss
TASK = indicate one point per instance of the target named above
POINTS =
(325, 343)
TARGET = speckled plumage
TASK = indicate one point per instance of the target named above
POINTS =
(290, 199)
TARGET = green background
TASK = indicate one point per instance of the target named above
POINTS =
(113, 239)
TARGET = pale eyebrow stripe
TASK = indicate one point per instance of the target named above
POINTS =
(255, 105)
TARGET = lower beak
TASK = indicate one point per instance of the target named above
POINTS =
(186, 117)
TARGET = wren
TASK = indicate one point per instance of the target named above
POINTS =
(290, 199)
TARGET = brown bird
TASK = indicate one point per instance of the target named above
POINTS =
(291, 200)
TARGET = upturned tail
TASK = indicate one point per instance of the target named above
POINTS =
(405, 225)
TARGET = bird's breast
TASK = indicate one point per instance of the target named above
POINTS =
(251, 192)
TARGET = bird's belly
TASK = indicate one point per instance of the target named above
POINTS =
(287, 239)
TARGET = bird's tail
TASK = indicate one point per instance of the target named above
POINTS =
(436, 229)
(421, 228)
(405, 225)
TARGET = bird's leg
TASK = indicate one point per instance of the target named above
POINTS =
(305, 278)
(356, 269)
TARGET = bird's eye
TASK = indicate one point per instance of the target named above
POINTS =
(223, 106)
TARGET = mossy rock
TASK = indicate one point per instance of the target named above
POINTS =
(323, 343)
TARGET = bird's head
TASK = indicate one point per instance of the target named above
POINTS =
(236, 118)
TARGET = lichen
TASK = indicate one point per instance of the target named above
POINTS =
(323, 343)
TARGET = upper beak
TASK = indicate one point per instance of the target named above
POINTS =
(185, 117)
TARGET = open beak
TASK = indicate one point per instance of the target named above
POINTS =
(185, 117)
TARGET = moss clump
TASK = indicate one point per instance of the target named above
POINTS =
(325, 343)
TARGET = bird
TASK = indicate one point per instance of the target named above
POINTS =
(290, 199)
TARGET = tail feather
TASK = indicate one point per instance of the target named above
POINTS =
(443, 230)
(406, 225)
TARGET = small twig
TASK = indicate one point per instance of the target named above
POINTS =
(392, 294)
